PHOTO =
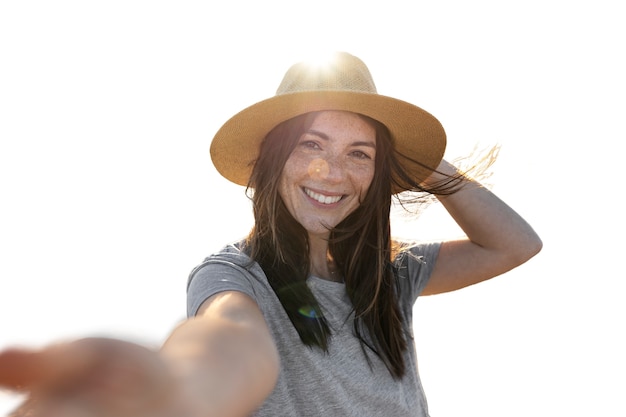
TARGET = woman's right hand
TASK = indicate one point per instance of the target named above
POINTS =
(92, 377)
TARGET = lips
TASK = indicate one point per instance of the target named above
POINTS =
(321, 198)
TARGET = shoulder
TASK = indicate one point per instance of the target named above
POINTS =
(416, 254)
(230, 256)
(229, 269)
(413, 265)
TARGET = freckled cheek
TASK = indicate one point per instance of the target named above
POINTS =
(363, 181)
(283, 186)
(298, 168)
(288, 187)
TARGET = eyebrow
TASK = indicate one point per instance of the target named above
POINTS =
(324, 136)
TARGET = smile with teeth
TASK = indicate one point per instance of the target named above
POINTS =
(321, 198)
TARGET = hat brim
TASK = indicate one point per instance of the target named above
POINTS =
(415, 132)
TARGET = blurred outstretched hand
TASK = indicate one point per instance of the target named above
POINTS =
(92, 377)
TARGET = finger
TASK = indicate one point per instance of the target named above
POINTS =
(111, 376)
(26, 369)
(16, 369)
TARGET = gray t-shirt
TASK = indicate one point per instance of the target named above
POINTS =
(340, 382)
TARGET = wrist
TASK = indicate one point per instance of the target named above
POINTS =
(445, 172)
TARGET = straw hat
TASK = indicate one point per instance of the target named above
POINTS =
(345, 84)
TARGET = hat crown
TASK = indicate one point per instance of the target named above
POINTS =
(344, 72)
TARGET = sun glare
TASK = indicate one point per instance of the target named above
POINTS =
(320, 59)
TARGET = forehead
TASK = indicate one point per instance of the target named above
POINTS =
(344, 124)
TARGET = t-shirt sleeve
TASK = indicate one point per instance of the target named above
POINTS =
(415, 266)
(213, 276)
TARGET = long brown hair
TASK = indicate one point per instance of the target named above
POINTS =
(360, 245)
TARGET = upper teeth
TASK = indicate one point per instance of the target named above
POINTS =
(324, 199)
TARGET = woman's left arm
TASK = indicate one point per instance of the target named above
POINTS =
(498, 239)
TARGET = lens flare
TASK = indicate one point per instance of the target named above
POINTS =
(318, 168)
(310, 312)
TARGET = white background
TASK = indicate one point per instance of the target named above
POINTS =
(108, 198)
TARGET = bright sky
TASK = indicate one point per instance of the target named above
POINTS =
(108, 197)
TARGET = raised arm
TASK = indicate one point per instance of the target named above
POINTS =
(498, 239)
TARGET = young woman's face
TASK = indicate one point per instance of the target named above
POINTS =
(329, 171)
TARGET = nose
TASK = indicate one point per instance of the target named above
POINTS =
(326, 169)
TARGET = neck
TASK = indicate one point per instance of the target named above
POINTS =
(322, 265)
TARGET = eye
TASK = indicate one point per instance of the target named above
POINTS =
(360, 155)
(309, 144)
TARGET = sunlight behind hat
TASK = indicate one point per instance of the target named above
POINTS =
(319, 60)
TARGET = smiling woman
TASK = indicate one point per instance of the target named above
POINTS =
(318, 294)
